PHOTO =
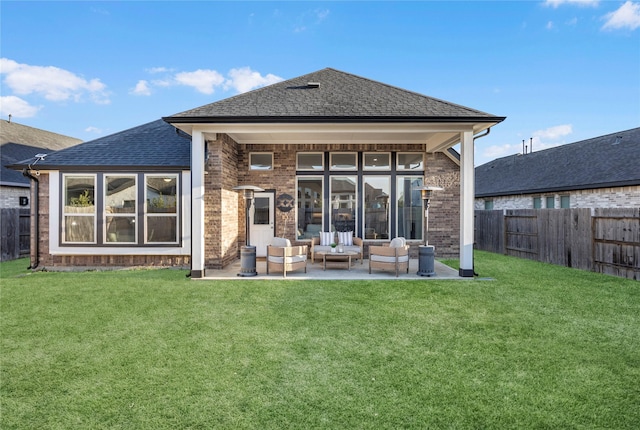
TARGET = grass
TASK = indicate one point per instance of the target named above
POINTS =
(540, 346)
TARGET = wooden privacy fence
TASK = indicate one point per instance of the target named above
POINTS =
(15, 225)
(601, 240)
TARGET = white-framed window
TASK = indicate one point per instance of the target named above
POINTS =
(377, 161)
(343, 161)
(550, 202)
(310, 161)
(120, 208)
(565, 202)
(261, 161)
(161, 208)
(78, 209)
(413, 161)
(488, 204)
(537, 202)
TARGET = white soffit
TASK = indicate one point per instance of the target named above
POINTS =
(435, 136)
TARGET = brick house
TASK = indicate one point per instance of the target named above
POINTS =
(601, 172)
(19, 142)
(332, 151)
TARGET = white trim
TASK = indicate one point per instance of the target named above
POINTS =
(366, 168)
(251, 154)
(197, 200)
(467, 197)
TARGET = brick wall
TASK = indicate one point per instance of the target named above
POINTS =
(616, 197)
(10, 197)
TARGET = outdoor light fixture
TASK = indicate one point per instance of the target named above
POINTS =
(248, 252)
(427, 253)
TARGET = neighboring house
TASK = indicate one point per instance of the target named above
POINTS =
(603, 172)
(19, 142)
(333, 151)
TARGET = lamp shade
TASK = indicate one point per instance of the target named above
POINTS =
(427, 191)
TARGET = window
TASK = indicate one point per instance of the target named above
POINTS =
(309, 214)
(261, 161)
(120, 206)
(343, 203)
(377, 161)
(565, 202)
(409, 207)
(343, 161)
(310, 161)
(551, 202)
(377, 190)
(410, 161)
(161, 217)
(79, 210)
(537, 202)
(488, 205)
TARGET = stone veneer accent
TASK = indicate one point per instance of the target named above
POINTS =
(617, 197)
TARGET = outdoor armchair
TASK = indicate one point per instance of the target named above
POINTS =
(393, 257)
(281, 256)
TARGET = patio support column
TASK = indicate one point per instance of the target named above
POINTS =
(467, 195)
(197, 204)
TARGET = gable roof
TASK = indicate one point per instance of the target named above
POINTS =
(152, 145)
(611, 160)
(330, 95)
(19, 142)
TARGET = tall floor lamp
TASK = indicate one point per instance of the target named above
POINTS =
(426, 256)
(248, 252)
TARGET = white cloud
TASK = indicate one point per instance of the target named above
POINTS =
(627, 16)
(51, 82)
(15, 106)
(154, 70)
(497, 151)
(557, 3)
(92, 129)
(203, 80)
(206, 81)
(550, 25)
(554, 133)
(141, 88)
(244, 79)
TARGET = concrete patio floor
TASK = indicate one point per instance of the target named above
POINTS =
(335, 272)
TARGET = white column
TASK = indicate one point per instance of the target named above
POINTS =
(197, 204)
(467, 197)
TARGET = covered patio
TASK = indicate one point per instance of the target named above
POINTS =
(335, 272)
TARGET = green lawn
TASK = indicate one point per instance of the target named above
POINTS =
(540, 346)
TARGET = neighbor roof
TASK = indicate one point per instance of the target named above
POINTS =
(330, 95)
(19, 142)
(611, 160)
(152, 145)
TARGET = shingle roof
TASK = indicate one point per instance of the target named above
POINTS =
(338, 96)
(152, 145)
(19, 142)
(605, 161)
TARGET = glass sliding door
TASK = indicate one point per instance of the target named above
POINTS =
(343, 203)
(309, 216)
(409, 203)
(377, 190)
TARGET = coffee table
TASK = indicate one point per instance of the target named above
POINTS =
(337, 257)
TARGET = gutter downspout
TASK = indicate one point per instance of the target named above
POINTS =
(35, 217)
(474, 145)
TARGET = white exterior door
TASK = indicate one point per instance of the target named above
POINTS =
(261, 221)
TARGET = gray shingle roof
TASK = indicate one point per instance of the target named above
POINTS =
(19, 142)
(605, 161)
(340, 96)
(152, 145)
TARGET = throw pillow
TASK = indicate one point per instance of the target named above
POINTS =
(345, 238)
(326, 238)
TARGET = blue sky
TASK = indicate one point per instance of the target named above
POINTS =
(560, 71)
